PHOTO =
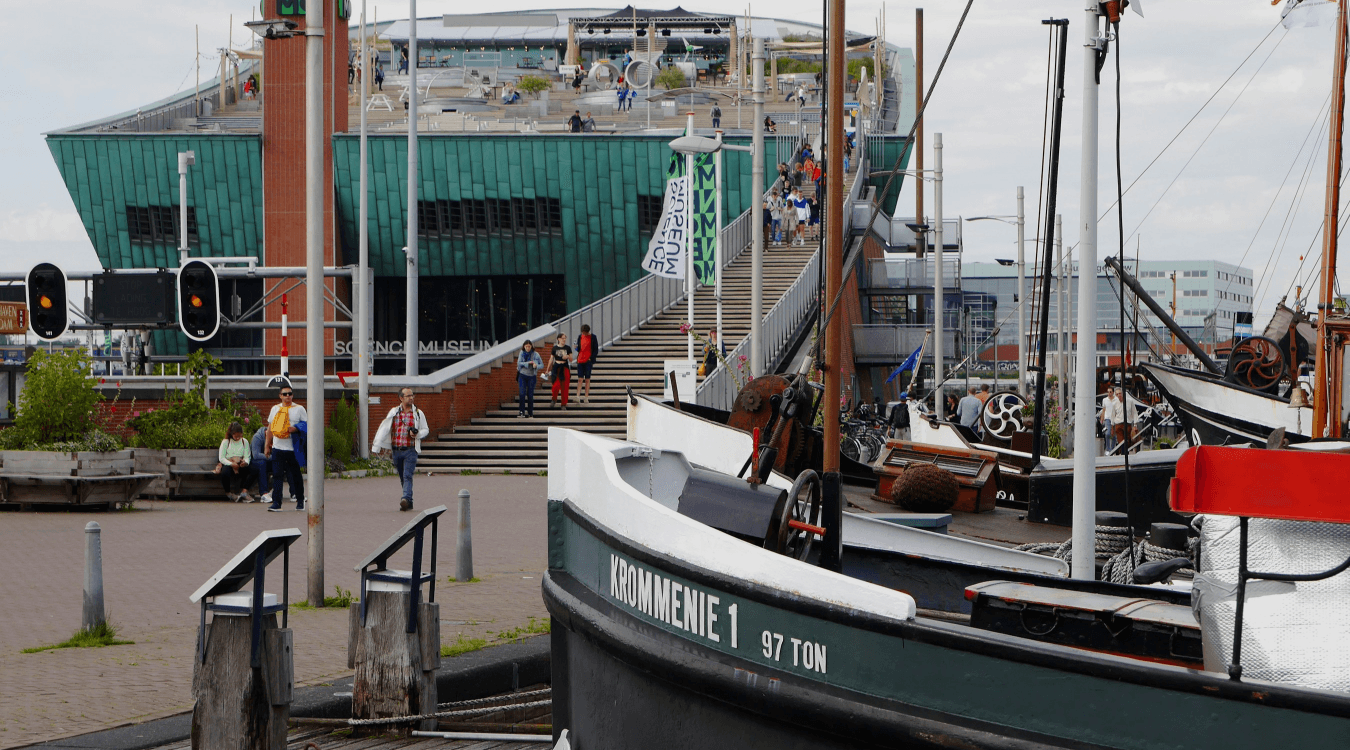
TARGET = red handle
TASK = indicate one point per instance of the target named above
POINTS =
(798, 525)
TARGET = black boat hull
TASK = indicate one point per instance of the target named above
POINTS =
(627, 676)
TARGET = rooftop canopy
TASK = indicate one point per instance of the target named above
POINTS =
(676, 18)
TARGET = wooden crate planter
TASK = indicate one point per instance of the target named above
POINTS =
(82, 478)
(154, 461)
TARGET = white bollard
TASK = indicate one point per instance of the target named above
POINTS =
(464, 551)
(93, 614)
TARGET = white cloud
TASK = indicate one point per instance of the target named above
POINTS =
(42, 223)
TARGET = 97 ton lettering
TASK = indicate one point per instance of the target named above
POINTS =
(703, 615)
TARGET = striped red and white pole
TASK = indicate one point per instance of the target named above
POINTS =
(285, 364)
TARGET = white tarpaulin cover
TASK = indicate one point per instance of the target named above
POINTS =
(1291, 632)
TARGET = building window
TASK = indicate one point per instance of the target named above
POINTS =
(428, 219)
(649, 213)
(491, 216)
(159, 224)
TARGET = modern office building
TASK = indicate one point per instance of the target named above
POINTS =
(1207, 298)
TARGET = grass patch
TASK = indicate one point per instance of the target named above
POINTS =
(534, 627)
(469, 472)
(341, 599)
(99, 636)
(462, 645)
(542, 472)
(475, 579)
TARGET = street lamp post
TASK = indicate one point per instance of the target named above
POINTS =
(690, 146)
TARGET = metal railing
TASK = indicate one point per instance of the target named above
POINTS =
(910, 273)
(720, 387)
(623, 312)
(165, 114)
(893, 343)
(781, 325)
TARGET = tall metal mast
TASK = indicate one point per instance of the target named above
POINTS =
(1326, 395)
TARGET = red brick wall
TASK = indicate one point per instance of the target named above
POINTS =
(448, 407)
(284, 166)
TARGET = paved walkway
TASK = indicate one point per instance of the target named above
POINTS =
(155, 556)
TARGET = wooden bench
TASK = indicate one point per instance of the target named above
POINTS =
(84, 478)
(192, 473)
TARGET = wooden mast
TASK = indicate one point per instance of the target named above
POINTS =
(1326, 396)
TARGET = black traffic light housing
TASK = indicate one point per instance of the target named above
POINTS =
(47, 312)
(198, 300)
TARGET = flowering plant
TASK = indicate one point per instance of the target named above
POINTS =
(739, 373)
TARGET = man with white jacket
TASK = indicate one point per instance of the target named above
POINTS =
(401, 432)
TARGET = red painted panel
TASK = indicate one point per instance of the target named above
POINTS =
(1291, 485)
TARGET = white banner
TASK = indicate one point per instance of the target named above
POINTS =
(666, 252)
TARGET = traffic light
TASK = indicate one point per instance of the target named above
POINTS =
(198, 300)
(47, 312)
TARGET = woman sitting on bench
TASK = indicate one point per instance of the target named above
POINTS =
(234, 469)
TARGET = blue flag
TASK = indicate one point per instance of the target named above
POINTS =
(910, 363)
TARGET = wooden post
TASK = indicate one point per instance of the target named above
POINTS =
(238, 707)
(395, 669)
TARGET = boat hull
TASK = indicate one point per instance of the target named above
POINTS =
(1215, 412)
(625, 675)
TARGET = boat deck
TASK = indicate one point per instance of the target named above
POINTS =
(1005, 527)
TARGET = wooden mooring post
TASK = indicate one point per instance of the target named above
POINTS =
(243, 672)
(394, 637)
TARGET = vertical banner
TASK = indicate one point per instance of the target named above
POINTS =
(705, 219)
(665, 252)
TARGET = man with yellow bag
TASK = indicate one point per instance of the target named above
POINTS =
(285, 425)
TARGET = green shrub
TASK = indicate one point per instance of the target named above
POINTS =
(339, 437)
(532, 84)
(58, 401)
(670, 78)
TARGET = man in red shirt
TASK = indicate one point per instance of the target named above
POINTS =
(401, 432)
(588, 348)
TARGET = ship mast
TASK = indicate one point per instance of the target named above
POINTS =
(833, 256)
(1326, 397)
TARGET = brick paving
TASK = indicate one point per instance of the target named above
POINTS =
(155, 556)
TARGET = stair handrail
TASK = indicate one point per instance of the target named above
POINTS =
(780, 326)
(625, 311)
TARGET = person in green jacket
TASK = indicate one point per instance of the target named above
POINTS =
(235, 469)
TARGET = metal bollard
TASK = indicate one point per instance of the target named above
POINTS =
(93, 614)
(464, 550)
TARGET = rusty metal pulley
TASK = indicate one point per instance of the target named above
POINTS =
(1257, 363)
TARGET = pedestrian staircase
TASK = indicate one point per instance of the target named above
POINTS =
(501, 442)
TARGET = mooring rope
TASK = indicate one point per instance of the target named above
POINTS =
(463, 711)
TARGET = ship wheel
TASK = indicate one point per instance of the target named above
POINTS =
(800, 524)
(1256, 363)
(1003, 415)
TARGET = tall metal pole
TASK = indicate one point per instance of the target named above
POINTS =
(185, 159)
(690, 282)
(1022, 297)
(938, 370)
(717, 249)
(362, 263)
(410, 346)
(1326, 401)
(314, 286)
(1062, 319)
(831, 497)
(918, 131)
(757, 226)
(1084, 443)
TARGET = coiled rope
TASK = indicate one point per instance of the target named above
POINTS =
(1113, 545)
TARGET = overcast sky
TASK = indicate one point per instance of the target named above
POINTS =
(114, 57)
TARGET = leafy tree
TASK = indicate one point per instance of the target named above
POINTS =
(670, 78)
(532, 84)
(58, 399)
